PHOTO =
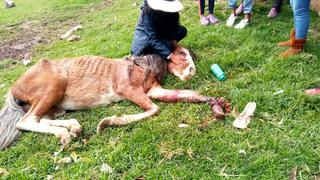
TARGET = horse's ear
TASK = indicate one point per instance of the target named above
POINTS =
(193, 55)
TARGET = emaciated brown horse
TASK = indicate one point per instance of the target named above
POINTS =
(50, 88)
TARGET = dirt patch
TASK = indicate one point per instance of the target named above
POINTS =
(100, 6)
(24, 36)
(17, 48)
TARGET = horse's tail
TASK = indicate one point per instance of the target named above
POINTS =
(10, 114)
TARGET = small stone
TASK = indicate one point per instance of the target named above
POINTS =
(50, 177)
(242, 152)
(105, 168)
(183, 125)
(56, 168)
(65, 160)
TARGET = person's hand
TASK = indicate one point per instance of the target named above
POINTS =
(178, 59)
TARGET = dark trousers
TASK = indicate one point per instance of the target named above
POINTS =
(202, 5)
(277, 4)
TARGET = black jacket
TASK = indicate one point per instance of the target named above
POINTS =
(154, 32)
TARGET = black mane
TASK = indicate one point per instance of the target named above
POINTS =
(152, 64)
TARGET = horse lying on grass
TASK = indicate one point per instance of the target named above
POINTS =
(50, 88)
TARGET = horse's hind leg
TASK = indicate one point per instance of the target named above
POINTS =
(43, 95)
(71, 124)
(30, 123)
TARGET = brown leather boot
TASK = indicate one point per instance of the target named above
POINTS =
(287, 43)
(296, 46)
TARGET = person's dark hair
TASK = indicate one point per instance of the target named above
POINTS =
(166, 23)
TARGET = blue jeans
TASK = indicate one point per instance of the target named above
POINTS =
(301, 16)
(246, 3)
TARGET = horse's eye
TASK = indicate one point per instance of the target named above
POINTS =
(182, 53)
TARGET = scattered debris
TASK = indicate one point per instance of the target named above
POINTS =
(50, 177)
(222, 173)
(140, 178)
(311, 92)
(183, 125)
(190, 153)
(242, 152)
(56, 168)
(75, 157)
(73, 38)
(293, 173)
(106, 168)
(281, 122)
(278, 92)
(3, 172)
(85, 141)
(243, 119)
(69, 33)
(65, 160)
(27, 59)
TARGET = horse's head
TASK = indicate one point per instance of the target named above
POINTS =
(183, 71)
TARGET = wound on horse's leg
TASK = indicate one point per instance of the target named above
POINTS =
(177, 95)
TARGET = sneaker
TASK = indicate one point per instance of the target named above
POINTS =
(212, 19)
(239, 10)
(311, 92)
(242, 24)
(273, 13)
(204, 21)
(231, 19)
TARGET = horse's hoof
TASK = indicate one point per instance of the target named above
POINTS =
(105, 122)
(75, 131)
(65, 139)
(218, 112)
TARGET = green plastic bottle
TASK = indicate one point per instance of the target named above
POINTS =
(217, 71)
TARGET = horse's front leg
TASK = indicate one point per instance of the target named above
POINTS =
(138, 97)
(218, 105)
(167, 95)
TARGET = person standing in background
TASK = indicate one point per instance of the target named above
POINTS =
(205, 20)
(298, 37)
(247, 10)
(274, 11)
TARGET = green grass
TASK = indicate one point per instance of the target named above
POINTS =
(284, 133)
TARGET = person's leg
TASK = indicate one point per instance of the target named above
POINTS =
(211, 6)
(203, 20)
(232, 18)
(275, 9)
(247, 11)
(201, 6)
(277, 4)
(233, 5)
(212, 19)
(248, 4)
(301, 12)
(239, 10)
